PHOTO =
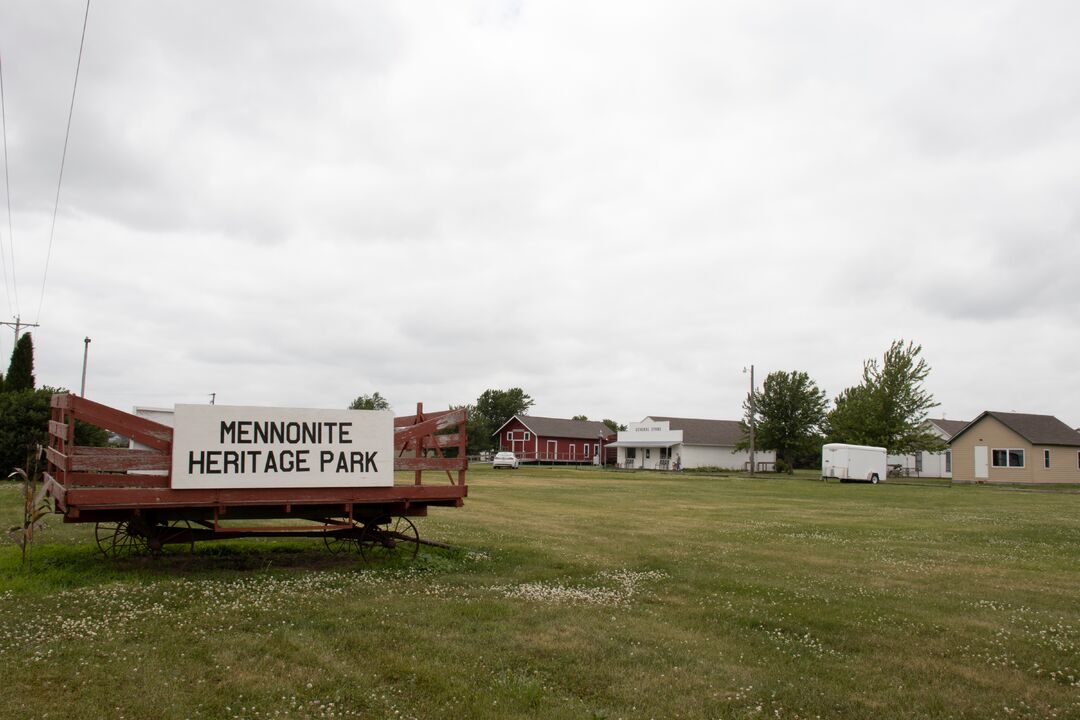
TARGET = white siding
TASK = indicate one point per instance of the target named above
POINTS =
(933, 465)
(694, 456)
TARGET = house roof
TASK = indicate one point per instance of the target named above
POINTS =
(725, 433)
(1036, 429)
(949, 427)
(560, 427)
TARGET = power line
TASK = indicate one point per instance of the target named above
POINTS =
(13, 288)
(63, 157)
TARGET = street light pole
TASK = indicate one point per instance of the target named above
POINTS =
(86, 351)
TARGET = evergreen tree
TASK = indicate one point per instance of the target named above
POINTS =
(24, 424)
(20, 374)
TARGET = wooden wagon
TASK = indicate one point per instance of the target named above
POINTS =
(127, 492)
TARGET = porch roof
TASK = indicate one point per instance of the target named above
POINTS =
(643, 443)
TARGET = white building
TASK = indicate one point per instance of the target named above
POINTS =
(668, 443)
(930, 464)
(165, 416)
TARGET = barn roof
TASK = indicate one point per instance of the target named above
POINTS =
(560, 427)
(1036, 429)
(696, 431)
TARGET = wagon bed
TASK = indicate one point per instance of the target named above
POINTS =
(128, 492)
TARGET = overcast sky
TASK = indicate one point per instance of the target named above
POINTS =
(615, 206)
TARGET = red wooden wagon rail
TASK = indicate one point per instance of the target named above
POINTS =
(127, 491)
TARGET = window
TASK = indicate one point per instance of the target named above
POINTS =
(509, 434)
(648, 452)
(1013, 458)
(585, 450)
(918, 462)
(948, 461)
(528, 436)
(1046, 459)
(631, 453)
(665, 453)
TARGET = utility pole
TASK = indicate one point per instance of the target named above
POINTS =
(753, 464)
(86, 351)
(213, 397)
(18, 325)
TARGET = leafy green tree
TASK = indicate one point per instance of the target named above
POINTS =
(492, 409)
(888, 408)
(20, 374)
(375, 401)
(479, 430)
(790, 411)
(852, 418)
(615, 427)
(580, 417)
(498, 406)
(88, 435)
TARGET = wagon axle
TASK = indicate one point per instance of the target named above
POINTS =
(377, 540)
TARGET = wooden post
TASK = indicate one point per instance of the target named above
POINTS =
(463, 446)
(419, 442)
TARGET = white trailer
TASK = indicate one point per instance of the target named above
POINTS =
(853, 462)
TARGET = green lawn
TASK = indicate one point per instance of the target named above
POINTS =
(578, 594)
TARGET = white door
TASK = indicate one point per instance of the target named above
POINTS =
(981, 463)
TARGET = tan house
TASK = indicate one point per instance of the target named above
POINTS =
(1016, 448)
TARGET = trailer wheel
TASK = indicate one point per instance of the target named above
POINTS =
(874, 478)
(381, 542)
(120, 539)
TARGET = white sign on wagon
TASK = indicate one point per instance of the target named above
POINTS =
(228, 447)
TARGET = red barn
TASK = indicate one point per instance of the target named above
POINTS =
(541, 439)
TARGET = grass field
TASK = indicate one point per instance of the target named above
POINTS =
(578, 594)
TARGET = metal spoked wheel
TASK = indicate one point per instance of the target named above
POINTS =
(341, 543)
(119, 539)
(381, 542)
(174, 532)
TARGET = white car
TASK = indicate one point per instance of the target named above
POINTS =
(505, 459)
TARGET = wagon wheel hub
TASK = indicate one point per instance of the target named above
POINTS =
(397, 539)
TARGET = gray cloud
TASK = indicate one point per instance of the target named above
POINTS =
(616, 207)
